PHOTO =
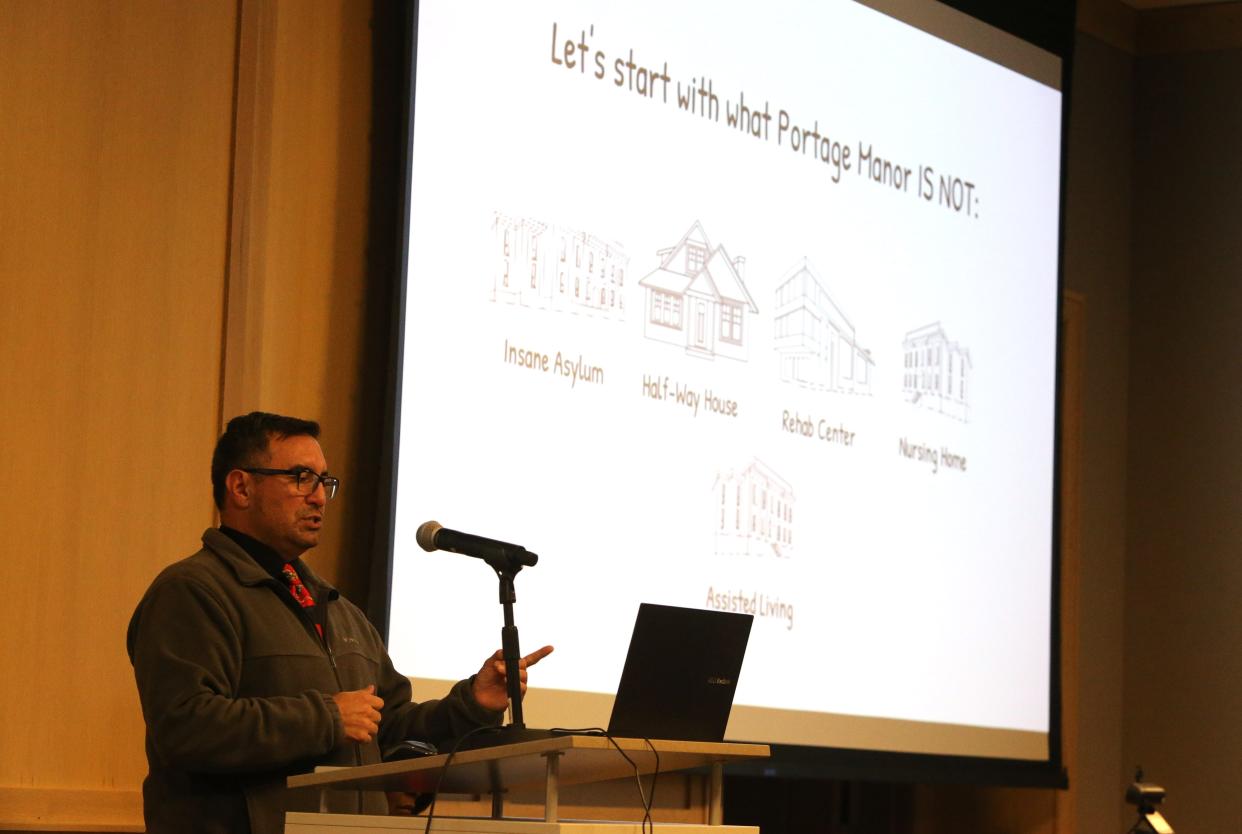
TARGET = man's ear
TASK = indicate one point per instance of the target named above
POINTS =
(238, 489)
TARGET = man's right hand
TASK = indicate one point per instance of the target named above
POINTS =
(359, 713)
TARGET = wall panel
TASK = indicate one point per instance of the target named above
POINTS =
(298, 269)
(1098, 233)
(115, 154)
(1183, 571)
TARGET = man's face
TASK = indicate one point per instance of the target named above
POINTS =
(278, 516)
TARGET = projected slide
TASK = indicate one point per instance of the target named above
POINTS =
(744, 308)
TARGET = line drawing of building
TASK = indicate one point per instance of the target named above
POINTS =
(696, 298)
(552, 267)
(754, 512)
(937, 372)
(816, 341)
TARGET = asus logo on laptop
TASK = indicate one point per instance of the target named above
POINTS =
(720, 681)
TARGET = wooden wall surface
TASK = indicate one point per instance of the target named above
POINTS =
(115, 141)
(296, 287)
(1183, 664)
(128, 244)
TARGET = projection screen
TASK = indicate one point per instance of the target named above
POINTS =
(750, 307)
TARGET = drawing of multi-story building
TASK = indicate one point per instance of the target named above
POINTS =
(697, 299)
(937, 372)
(754, 512)
(815, 339)
(557, 268)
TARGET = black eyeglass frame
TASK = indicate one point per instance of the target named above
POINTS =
(331, 483)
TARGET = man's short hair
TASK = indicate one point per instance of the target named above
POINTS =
(245, 441)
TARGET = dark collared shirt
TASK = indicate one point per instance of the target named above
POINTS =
(274, 564)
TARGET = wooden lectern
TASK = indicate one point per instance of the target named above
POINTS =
(552, 762)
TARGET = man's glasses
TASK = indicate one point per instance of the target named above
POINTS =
(304, 480)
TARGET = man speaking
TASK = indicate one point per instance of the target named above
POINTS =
(251, 668)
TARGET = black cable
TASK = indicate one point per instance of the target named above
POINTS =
(431, 809)
(579, 731)
(647, 799)
(647, 820)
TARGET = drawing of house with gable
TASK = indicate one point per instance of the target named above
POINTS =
(697, 299)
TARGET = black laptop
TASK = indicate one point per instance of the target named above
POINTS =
(680, 674)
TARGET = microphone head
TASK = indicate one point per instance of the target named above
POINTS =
(426, 535)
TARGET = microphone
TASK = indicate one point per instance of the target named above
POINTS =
(431, 536)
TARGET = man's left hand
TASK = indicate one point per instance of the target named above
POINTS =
(491, 684)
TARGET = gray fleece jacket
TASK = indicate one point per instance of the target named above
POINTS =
(236, 692)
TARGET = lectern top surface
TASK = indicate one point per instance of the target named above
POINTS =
(524, 765)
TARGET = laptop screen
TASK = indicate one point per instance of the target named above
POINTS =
(680, 674)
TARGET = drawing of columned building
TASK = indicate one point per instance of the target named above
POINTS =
(696, 298)
(937, 372)
(754, 512)
(815, 339)
(557, 268)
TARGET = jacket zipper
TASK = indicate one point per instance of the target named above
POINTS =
(336, 674)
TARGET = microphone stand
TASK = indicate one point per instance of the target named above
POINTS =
(509, 643)
(507, 566)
